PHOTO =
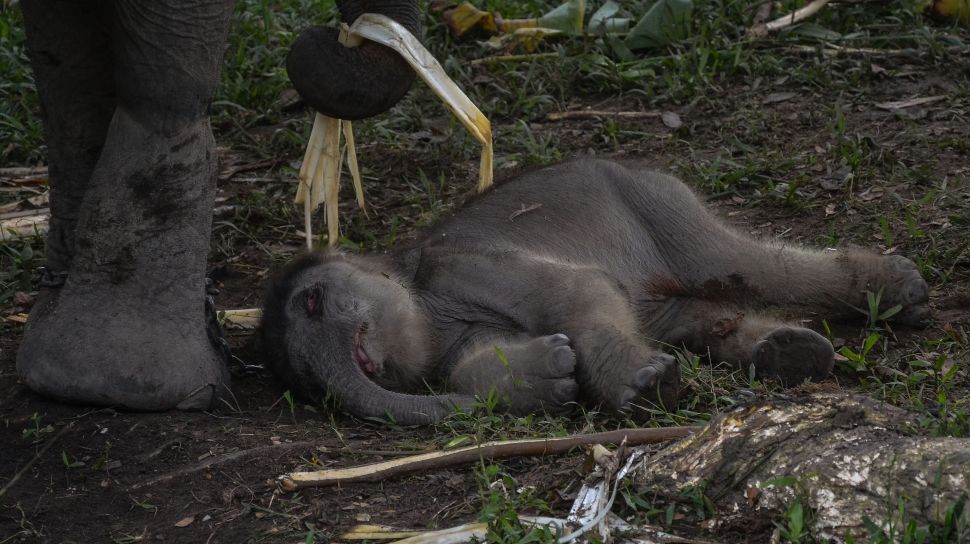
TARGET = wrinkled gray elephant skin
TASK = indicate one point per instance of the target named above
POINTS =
(126, 88)
(561, 286)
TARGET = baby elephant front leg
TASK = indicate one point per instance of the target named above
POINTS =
(527, 374)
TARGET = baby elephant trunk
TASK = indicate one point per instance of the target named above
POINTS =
(331, 361)
(363, 398)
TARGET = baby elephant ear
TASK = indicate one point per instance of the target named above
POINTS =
(352, 82)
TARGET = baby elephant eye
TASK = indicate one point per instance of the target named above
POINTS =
(311, 301)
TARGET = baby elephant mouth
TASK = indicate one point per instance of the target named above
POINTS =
(360, 354)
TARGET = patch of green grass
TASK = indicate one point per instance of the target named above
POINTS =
(503, 501)
(254, 71)
(899, 528)
(35, 430)
(706, 390)
(21, 134)
(16, 268)
(70, 463)
(520, 145)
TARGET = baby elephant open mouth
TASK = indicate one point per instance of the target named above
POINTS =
(360, 354)
(572, 300)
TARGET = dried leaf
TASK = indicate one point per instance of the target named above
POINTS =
(901, 104)
(671, 119)
(751, 493)
(775, 98)
(870, 194)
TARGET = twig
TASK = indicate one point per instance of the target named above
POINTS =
(591, 114)
(40, 212)
(833, 50)
(212, 461)
(514, 58)
(380, 453)
(23, 171)
(758, 29)
(35, 458)
(158, 451)
(489, 450)
(796, 16)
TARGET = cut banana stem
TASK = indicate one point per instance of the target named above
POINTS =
(310, 159)
(245, 319)
(385, 31)
(352, 163)
(323, 160)
(320, 175)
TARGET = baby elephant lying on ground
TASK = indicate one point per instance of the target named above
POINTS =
(558, 287)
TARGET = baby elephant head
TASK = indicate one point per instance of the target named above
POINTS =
(339, 324)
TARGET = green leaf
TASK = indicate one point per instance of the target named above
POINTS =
(456, 441)
(786, 481)
(870, 341)
(502, 357)
(666, 22)
(605, 20)
(890, 312)
(814, 30)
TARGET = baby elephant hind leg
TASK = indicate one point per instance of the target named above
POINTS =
(711, 260)
(527, 374)
(780, 351)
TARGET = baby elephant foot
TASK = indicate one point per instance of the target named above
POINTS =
(546, 377)
(653, 385)
(792, 355)
(903, 285)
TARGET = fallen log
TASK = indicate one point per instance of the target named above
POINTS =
(856, 465)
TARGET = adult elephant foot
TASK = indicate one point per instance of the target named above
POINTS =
(128, 326)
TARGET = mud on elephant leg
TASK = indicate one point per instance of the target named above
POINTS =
(128, 326)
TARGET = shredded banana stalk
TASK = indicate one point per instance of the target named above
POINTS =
(323, 160)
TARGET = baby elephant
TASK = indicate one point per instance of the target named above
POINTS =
(560, 286)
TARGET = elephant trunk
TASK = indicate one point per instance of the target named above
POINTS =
(352, 82)
(328, 358)
(364, 398)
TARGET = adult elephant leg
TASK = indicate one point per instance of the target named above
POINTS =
(128, 328)
(70, 51)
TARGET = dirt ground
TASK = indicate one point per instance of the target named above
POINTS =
(111, 476)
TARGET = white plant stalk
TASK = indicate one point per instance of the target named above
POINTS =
(796, 16)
